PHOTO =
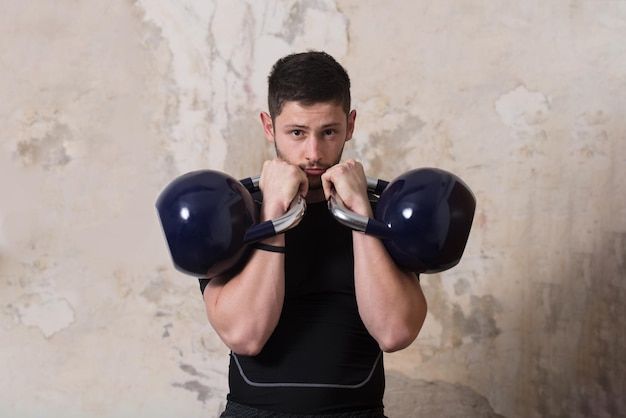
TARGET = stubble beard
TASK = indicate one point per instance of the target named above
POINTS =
(315, 182)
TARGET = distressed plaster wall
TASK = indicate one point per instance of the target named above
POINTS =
(103, 103)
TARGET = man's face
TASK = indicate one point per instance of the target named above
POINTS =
(310, 137)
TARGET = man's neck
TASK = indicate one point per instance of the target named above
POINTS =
(315, 196)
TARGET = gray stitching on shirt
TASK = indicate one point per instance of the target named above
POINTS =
(306, 385)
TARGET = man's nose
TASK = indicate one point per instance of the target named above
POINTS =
(314, 148)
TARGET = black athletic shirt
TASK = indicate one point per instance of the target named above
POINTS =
(320, 358)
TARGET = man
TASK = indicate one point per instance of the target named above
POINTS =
(310, 313)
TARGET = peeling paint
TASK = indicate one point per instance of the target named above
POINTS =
(188, 368)
(479, 323)
(203, 392)
(525, 113)
(166, 332)
(46, 145)
(49, 314)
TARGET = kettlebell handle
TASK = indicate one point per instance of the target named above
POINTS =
(297, 210)
(267, 229)
(358, 222)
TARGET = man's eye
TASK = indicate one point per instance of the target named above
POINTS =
(329, 132)
(296, 132)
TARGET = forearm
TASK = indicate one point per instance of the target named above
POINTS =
(244, 310)
(391, 303)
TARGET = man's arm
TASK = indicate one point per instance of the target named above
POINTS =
(391, 303)
(390, 300)
(244, 309)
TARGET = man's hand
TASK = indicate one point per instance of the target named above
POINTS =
(348, 181)
(280, 183)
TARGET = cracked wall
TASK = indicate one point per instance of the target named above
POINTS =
(105, 103)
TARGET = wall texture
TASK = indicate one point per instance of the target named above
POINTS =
(104, 103)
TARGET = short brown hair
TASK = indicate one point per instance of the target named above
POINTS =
(308, 77)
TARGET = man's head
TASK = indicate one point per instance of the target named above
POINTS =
(310, 118)
(308, 78)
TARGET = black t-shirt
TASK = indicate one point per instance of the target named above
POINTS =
(320, 358)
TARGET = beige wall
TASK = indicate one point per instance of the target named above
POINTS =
(103, 103)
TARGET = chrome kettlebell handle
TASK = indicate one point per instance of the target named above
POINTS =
(358, 222)
(276, 226)
(297, 210)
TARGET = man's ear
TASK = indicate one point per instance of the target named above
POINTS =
(268, 126)
(350, 127)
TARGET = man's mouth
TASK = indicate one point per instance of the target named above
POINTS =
(314, 171)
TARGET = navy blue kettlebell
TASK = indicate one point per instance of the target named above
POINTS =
(424, 218)
(209, 219)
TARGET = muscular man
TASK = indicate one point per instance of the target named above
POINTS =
(310, 313)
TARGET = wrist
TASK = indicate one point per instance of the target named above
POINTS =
(268, 247)
(273, 211)
(363, 208)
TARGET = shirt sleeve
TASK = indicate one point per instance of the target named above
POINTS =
(203, 284)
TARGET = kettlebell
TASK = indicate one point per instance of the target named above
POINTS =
(209, 220)
(423, 217)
